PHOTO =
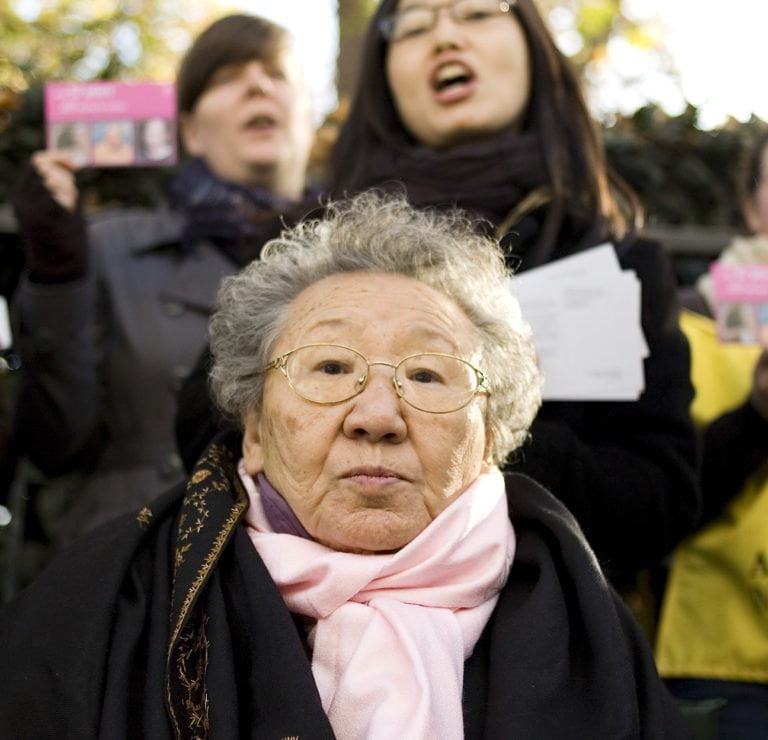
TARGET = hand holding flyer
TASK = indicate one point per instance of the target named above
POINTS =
(741, 302)
(112, 124)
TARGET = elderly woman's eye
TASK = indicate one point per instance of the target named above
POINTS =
(424, 376)
(332, 367)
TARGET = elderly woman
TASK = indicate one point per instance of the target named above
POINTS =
(352, 563)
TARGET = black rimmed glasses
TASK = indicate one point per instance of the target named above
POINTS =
(418, 19)
(429, 381)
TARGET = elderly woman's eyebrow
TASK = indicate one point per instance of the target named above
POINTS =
(331, 323)
(415, 331)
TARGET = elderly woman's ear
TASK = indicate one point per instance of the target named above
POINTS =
(253, 452)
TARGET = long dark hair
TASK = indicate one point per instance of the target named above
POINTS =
(583, 189)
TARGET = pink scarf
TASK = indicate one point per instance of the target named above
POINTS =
(393, 631)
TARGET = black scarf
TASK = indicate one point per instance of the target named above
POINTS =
(486, 178)
(238, 219)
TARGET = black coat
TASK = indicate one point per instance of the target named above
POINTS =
(166, 622)
(103, 357)
(627, 469)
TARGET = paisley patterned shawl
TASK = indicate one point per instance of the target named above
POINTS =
(206, 522)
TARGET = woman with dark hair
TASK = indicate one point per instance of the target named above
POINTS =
(470, 103)
(112, 310)
(555, 156)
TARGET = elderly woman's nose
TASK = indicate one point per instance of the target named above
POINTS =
(377, 411)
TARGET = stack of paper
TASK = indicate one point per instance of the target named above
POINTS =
(585, 315)
(5, 325)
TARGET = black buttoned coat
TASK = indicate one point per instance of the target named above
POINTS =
(104, 356)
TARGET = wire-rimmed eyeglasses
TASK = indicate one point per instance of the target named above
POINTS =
(429, 381)
(418, 19)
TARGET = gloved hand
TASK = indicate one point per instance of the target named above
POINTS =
(51, 223)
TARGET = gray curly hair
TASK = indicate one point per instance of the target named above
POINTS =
(376, 233)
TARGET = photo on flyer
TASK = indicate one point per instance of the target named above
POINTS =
(741, 302)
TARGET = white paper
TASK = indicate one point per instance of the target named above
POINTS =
(585, 314)
(5, 325)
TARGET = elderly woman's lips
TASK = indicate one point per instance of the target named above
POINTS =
(373, 476)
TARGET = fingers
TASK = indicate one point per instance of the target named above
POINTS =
(57, 171)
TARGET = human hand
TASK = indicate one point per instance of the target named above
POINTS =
(57, 172)
(50, 223)
(759, 395)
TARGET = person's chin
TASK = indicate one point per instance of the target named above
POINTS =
(377, 531)
(465, 134)
(262, 158)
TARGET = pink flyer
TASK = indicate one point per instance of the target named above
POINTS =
(741, 302)
(112, 124)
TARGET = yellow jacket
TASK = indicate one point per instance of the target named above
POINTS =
(714, 619)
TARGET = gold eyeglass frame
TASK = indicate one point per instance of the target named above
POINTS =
(386, 25)
(280, 363)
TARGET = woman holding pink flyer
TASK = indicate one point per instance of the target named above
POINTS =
(113, 309)
(712, 644)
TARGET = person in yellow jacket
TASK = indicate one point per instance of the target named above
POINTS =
(712, 638)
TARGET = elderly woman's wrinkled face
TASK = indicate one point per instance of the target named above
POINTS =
(368, 474)
(459, 82)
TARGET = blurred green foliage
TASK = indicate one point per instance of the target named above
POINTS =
(683, 175)
(86, 40)
(93, 39)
